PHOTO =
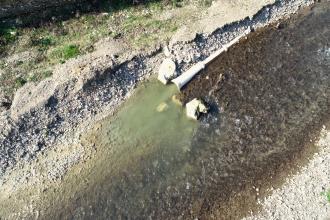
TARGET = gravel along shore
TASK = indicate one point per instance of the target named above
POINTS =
(303, 195)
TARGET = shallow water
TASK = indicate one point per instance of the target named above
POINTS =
(142, 152)
(270, 96)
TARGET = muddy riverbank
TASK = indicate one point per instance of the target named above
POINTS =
(270, 99)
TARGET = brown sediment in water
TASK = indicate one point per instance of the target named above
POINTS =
(272, 93)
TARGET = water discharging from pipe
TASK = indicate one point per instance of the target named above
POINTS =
(270, 95)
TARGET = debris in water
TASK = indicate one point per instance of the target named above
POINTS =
(162, 107)
(195, 107)
(176, 100)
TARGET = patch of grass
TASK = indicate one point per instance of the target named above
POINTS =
(140, 26)
(33, 78)
(176, 3)
(36, 77)
(145, 21)
(19, 82)
(205, 3)
(70, 51)
(46, 74)
(43, 42)
(155, 24)
(327, 195)
(174, 28)
(2, 64)
(147, 28)
(155, 5)
(159, 30)
(8, 35)
(66, 52)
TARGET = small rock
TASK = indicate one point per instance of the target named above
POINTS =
(195, 107)
(166, 51)
(167, 71)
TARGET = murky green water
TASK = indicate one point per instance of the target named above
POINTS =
(271, 101)
(151, 117)
(142, 154)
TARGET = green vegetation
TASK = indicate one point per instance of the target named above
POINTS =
(46, 74)
(7, 35)
(66, 52)
(157, 29)
(326, 194)
(176, 3)
(25, 53)
(42, 42)
(39, 76)
(205, 3)
(19, 82)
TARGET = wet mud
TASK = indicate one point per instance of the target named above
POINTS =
(270, 95)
